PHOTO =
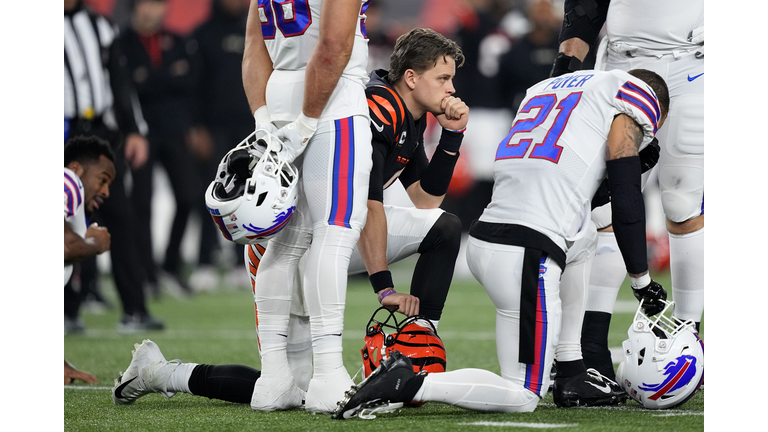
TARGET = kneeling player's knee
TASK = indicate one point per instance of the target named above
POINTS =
(444, 234)
(681, 207)
(686, 227)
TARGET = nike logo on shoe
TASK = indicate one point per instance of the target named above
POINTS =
(691, 78)
(381, 128)
(603, 388)
(119, 389)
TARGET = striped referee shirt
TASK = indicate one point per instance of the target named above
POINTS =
(95, 85)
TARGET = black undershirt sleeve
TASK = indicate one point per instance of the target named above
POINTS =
(583, 19)
(376, 182)
(628, 209)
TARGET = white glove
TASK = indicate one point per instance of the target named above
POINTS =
(295, 136)
(696, 36)
(263, 121)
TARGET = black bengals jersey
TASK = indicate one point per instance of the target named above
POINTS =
(398, 139)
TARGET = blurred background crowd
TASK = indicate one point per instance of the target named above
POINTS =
(182, 59)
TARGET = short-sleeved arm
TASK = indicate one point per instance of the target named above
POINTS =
(387, 118)
(387, 114)
(376, 182)
(73, 194)
(637, 100)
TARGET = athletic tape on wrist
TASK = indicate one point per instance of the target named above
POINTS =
(641, 282)
(261, 115)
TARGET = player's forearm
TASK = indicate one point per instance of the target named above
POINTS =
(257, 65)
(422, 199)
(373, 239)
(575, 47)
(77, 248)
(338, 23)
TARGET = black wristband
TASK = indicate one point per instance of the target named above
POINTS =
(565, 64)
(451, 140)
(628, 211)
(381, 280)
(437, 176)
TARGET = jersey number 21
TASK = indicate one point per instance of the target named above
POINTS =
(513, 147)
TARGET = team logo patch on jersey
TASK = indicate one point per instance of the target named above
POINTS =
(678, 373)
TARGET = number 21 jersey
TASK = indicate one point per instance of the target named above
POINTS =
(552, 161)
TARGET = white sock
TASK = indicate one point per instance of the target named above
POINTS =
(573, 293)
(325, 291)
(299, 350)
(179, 379)
(476, 389)
(607, 274)
(686, 265)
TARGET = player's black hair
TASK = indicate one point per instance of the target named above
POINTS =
(657, 84)
(85, 149)
(420, 49)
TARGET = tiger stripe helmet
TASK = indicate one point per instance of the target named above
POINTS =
(415, 337)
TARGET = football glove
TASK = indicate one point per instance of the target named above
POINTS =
(602, 196)
(651, 297)
(649, 156)
(565, 64)
(696, 35)
(295, 136)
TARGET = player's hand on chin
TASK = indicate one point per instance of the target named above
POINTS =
(406, 304)
(454, 115)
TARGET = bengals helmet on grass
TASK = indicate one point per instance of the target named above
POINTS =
(415, 337)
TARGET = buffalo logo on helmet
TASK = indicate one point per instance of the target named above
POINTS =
(254, 181)
(678, 373)
(415, 337)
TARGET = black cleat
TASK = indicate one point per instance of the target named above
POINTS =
(588, 388)
(393, 382)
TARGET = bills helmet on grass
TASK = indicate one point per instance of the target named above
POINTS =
(254, 193)
(415, 337)
(663, 362)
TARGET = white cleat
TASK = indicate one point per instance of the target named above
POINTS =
(326, 391)
(276, 395)
(147, 373)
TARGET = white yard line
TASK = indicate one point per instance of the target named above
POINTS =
(525, 425)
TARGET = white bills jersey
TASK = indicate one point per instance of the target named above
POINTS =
(667, 28)
(550, 164)
(74, 209)
(291, 31)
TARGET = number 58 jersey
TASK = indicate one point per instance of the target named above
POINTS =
(552, 161)
(291, 30)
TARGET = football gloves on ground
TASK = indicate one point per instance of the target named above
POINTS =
(652, 297)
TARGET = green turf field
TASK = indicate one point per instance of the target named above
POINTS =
(218, 328)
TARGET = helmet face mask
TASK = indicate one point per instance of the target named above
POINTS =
(415, 337)
(254, 193)
(663, 362)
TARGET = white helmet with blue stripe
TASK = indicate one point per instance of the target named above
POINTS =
(663, 362)
(254, 193)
